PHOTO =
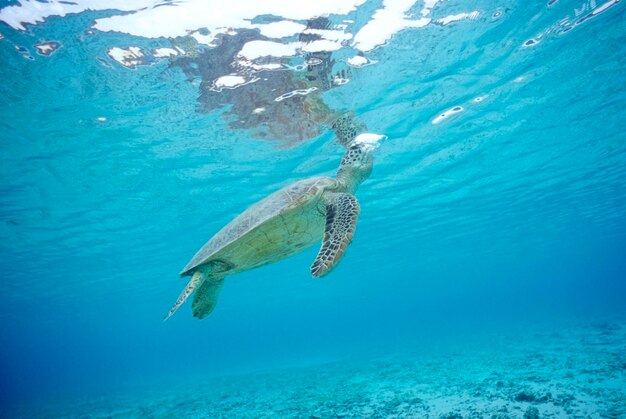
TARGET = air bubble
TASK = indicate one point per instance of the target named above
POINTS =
(47, 48)
(301, 92)
(447, 113)
(531, 42)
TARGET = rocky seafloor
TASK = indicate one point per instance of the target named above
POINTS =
(573, 372)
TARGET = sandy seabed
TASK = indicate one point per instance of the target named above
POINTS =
(573, 372)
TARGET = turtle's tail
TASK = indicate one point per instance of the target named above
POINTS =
(196, 280)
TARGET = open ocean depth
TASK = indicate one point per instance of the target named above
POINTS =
(487, 273)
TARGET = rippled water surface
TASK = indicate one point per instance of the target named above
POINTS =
(497, 200)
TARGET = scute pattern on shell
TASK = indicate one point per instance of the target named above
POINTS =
(296, 194)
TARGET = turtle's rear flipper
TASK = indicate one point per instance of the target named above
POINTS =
(197, 279)
(205, 298)
(342, 213)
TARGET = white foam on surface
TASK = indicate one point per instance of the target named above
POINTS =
(34, 11)
(46, 48)
(428, 7)
(269, 66)
(359, 61)
(229, 81)
(300, 92)
(130, 57)
(164, 52)
(331, 35)
(321, 45)
(387, 21)
(205, 20)
(458, 17)
(369, 139)
(208, 40)
(281, 29)
(184, 16)
(257, 49)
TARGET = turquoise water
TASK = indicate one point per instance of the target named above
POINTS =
(488, 240)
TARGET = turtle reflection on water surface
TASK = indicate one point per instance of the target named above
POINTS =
(253, 105)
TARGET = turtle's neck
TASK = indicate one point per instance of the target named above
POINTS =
(351, 177)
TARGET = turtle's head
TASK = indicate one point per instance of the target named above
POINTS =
(358, 161)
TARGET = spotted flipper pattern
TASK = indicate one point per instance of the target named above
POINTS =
(205, 299)
(342, 212)
(197, 278)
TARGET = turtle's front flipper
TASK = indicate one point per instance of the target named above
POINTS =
(195, 281)
(205, 299)
(342, 212)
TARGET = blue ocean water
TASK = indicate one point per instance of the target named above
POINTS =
(495, 233)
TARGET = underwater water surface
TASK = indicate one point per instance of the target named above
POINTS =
(487, 275)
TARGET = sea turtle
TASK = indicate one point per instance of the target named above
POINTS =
(280, 225)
